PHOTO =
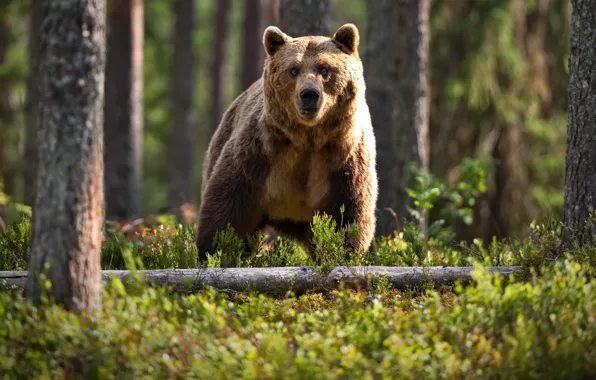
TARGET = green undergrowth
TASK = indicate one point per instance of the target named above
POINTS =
(543, 328)
(169, 246)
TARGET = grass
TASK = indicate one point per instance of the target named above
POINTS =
(539, 324)
(543, 328)
(161, 244)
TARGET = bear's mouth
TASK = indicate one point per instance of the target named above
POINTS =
(309, 112)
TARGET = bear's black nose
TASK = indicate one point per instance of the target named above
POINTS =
(309, 97)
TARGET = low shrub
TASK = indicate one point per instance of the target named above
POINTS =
(541, 328)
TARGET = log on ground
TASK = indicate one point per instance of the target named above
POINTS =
(282, 279)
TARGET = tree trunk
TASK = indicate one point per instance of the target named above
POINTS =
(269, 16)
(66, 230)
(31, 105)
(219, 45)
(124, 110)
(398, 96)
(580, 167)
(7, 161)
(299, 18)
(380, 99)
(183, 138)
(252, 59)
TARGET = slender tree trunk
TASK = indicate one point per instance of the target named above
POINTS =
(580, 162)
(66, 231)
(8, 160)
(299, 18)
(31, 105)
(219, 45)
(398, 95)
(269, 16)
(124, 110)
(252, 63)
(182, 141)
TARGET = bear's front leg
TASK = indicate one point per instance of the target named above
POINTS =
(231, 196)
(355, 188)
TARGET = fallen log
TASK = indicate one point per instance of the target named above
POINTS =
(281, 279)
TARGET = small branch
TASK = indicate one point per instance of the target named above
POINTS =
(280, 280)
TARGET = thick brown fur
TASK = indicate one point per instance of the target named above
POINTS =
(268, 164)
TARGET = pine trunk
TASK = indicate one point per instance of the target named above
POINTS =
(252, 36)
(31, 105)
(580, 162)
(183, 138)
(269, 16)
(66, 230)
(219, 45)
(380, 98)
(299, 18)
(398, 95)
(8, 160)
(124, 110)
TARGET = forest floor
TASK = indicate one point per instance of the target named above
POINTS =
(540, 323)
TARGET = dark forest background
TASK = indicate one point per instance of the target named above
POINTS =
(498, 80)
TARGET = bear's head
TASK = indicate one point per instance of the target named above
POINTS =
(310, 79)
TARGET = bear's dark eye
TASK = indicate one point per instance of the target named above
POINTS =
(294, 71)
(324, 71)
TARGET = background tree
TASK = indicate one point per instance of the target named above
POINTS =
(66, 230)
(580, 179)
(269, 16)
(218, 44)
(183, 135)
(398, 97)
(305, 17)
(8, 164)
(29, 157)
(251, 43)
(124, 110)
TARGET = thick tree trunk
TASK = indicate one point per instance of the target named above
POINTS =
(380, 98)
(31, 105)
(580, 162)
(66, 230)
(183, 138)
(299, 18)
(412, 102)
(252, 37)
(219, 45)
(124, 110)
(398, 96)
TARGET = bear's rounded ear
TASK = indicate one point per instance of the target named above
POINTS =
(348, 36)
(273, 39)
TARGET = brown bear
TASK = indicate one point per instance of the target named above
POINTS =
(297, 141)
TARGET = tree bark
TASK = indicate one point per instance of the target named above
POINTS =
(580, 161)
(269, 16)
(66, 228)
(380, 95)
(8, 168)
(31, 106)
(398, 93)
(252, 63)
(299, 18)
(282, 279)
(124, 110)
(219, 45)
(183, 137)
